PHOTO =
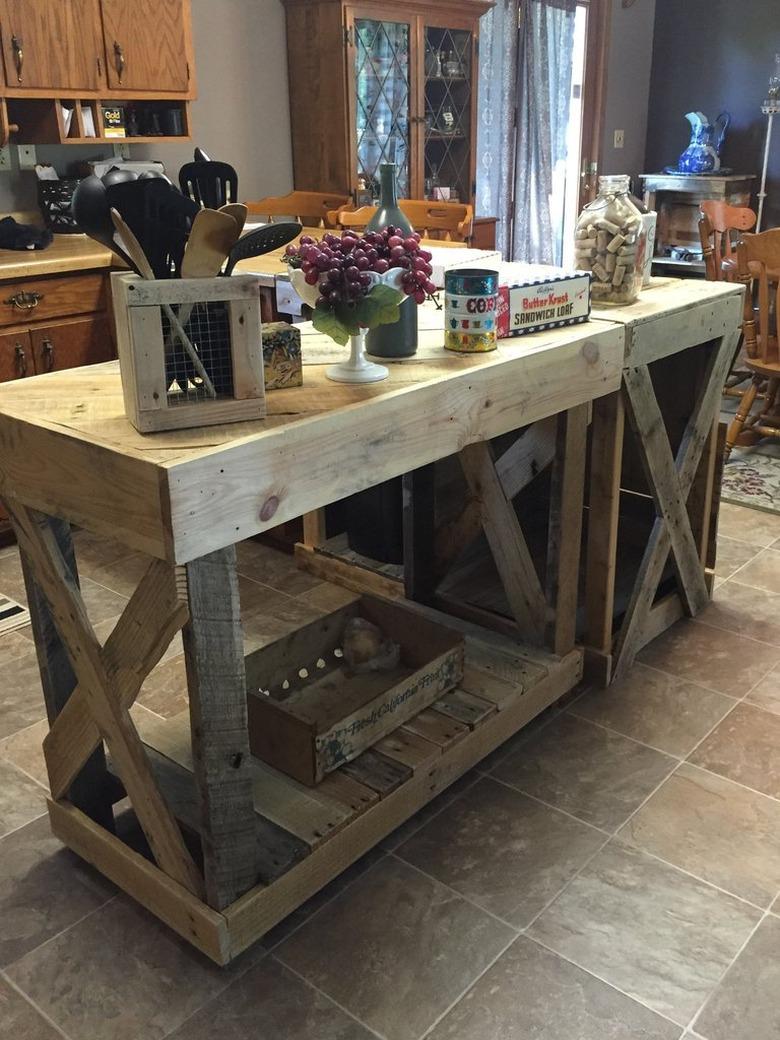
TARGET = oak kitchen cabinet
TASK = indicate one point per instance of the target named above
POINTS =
(77, 54)
(398, 81)
(50, 323)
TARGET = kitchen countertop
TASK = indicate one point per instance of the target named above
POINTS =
(67, 254)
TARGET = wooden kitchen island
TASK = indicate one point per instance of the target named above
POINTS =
(231, 846)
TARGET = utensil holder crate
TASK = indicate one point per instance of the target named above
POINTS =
(309, 714)
(161, 385)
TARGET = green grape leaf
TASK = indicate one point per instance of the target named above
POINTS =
(380, 307)
(327, 322)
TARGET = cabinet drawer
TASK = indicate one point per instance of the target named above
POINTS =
(16, 358)
(71, 344)
(38, 299)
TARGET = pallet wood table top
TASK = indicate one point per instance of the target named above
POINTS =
(66, 447)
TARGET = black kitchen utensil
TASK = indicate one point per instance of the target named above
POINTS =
(212, 184)
(262, 240)
(92, 213)
(160, 218)
(200, 156)
(116, 175)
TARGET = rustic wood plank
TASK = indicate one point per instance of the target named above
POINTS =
(606, 458)
(314, 529)
(378, 772)
(172, 903)
(507, 542)
(37, 541)
(565, 528)
(354, 796)
(670, 500)
(153, 616)
(409, 749)
(491, 688)
(531, 453)
(348, 575)
(465, 707)
(514, 668)
(455, 535)
(436, 728)
(216, 678)
(87, 788)
(418, 533)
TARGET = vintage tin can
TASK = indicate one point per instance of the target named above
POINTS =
(470, 301)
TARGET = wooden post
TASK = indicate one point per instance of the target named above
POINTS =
(418, 531)
(91, 789)
(565, 530)
(216, 676)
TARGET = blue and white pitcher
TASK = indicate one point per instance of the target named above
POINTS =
(703, 153)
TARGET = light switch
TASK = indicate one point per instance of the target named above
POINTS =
(620, 139)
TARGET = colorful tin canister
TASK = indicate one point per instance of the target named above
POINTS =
(470, 302)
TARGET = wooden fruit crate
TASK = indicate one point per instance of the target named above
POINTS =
(313, 714)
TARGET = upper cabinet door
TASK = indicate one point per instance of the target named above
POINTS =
(51, 45)
(146, 44)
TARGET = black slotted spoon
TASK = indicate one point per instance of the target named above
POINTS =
(262, 240)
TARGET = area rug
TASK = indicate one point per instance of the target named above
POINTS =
(752, 480)
(12, 615)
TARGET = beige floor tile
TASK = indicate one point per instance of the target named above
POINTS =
(326, 596)
(273, 567)
(715, 829)
(12, 645)
(120, 974)
(270, 1002)
(44, 889)
(722, 661)
(745, 611)
(598, 776)
(532, 994)
(763, 571)
(165, 691)
(25, 750)
(767, 693)
(745, 747)
(508, 853)
(21, 698)
(96, 551)
(21, 799)
(654, 708)
(396, 949)
(748, 525)
(19, 1020)
(733, 554)
(745, 1005)
(277, 616)
(645, 927)
(11, 580)
(101, 603)
(122, 575)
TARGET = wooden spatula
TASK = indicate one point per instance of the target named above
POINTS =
(132, 247)
(238, 211)
(212, 237)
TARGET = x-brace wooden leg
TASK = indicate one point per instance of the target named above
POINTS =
(101, 676)
(670, 480)
(507, 542)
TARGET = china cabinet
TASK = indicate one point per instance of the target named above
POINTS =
(373, 82)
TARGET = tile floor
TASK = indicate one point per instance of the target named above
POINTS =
(611, 873)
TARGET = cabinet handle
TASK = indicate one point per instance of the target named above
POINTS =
(48, 354)
(119, 57)
(21, 360)
(18, 50)
(24, 301)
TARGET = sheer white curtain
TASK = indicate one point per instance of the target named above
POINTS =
(525, 93)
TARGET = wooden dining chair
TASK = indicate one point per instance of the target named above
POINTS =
(450, 221)
(758, 263)
(310, 208)
(720, 228)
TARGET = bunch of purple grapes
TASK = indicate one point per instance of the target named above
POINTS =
(341, 266)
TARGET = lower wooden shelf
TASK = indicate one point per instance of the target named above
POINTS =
(308, 835)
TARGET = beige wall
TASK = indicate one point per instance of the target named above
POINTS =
(628, 87)
(242, 112)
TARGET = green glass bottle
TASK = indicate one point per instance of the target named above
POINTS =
(399, 339)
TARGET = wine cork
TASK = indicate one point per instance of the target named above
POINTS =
(610, 263)
(581, 233)
(619, 275)
(616, 243)
(627, 250)
(586, 253)
(600, 272)
(607, 225)
(601, 241)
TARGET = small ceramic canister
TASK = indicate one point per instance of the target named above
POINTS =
(470, 302)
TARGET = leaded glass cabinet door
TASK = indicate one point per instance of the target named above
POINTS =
(449, 71)
(382, 99)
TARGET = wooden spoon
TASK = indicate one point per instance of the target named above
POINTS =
(238, 211)
(212, 236)
(133, 249)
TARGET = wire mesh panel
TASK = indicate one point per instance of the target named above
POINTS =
(207, 327)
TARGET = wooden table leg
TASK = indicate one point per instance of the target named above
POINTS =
(216, 676)
(418, 533)
(91, 789)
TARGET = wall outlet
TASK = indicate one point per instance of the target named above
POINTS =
(121, 151)
(27, 157)
(5, 158)
(620, 139)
